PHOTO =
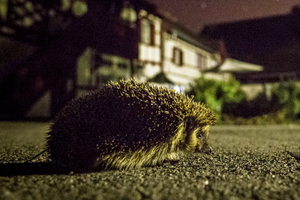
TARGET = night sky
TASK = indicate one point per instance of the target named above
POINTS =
(194, 14)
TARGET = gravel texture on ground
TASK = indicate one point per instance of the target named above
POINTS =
(248, 162)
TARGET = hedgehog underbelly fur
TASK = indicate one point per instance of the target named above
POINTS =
(128, 124)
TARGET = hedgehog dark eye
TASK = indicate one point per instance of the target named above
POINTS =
(199, 134)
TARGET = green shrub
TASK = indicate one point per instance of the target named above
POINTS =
(247, 109)
(229, 102)
(269, 118)
(287, 97)
(282, 107)
(215, 93)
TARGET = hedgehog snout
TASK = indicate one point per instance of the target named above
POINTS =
(205, 148)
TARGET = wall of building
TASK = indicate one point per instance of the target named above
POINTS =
(192, 60)
(95, 69)
(149, 56)
(155, 56)
(252, 90)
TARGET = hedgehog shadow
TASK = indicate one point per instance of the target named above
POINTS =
(49, 168)
(39, 168)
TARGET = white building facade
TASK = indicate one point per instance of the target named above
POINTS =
(184, 62)
(149, 47)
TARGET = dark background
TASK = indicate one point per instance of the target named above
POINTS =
(194, 14)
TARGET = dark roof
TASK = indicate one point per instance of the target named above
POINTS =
(183, 33)
(143, 4)
(273, 42)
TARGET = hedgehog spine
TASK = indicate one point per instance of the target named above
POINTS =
(126, 125)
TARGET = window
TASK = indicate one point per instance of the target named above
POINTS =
(122, 66)
(139, 71)
(202, 62)
(177, 56)
(152, 34)
(147, 32)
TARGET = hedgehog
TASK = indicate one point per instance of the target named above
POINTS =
(128, 124)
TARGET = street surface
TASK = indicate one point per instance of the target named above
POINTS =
(248, 162)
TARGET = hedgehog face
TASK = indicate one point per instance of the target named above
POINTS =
(202, 136)
(196, 136)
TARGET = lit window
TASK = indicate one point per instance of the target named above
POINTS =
(79, 8)
(128, 13)
(177, 56)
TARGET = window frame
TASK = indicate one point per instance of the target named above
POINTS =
(201, 62)
(147, 32)
(177, 56)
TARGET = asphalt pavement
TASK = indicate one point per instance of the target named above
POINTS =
(248, 162)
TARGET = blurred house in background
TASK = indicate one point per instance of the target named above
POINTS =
(149, 58)
(273, 42)
(184, 56)
(140, 58)
(77, 46)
